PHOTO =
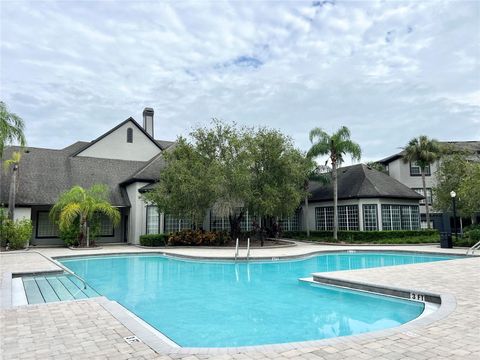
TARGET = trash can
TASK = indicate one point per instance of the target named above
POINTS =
(446, 240)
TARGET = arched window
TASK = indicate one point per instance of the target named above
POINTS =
(130, 135)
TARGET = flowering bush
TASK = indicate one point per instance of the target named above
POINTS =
(198, 238)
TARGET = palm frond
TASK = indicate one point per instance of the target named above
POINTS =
(69, 214)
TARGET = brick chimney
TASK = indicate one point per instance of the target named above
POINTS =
(148, 120)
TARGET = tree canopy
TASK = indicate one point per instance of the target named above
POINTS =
(11, 128)
(231, 169)
(457, 173)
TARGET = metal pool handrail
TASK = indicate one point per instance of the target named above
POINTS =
(473, 248)
(236, 250)
(248, 249)
(53, 262)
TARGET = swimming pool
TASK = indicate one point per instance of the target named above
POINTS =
(227, 304)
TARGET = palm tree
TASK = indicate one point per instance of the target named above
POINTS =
(79, 205)
(13, 163)
(423, 152)
(335, 146)
(11, 128)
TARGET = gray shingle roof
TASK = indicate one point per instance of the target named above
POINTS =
(45, 173)
(361, 181)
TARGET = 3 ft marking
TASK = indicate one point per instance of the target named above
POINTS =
(419, 297)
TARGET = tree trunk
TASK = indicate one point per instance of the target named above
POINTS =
(13, 192)
(335, 200)
(305, 216)
(235, 228)
(427, 207)
(87, 230)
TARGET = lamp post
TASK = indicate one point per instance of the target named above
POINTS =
(453, 195)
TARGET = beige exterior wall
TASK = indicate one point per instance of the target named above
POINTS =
(115, 146)
(22, 213)
(401, 172)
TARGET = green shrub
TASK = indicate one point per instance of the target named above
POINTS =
(383, 237)
(71, 234)
(154, 240)
(473, 235)
(198, 238)
(16, 233)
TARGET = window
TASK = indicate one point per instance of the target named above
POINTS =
(246, 224)
(105, 226)
(416, 171)
(400, 217)
(348, 217)
(129, 135)
(429, 195)
(219, 223)
(370, 219)
(324, 218)
(173, 224)
(45, 227)
(153, 220)
(291, 223)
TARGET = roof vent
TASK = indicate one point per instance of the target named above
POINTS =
(148, 121)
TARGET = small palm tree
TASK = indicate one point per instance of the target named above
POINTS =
(335, 146)
(11, 128)
(424, 152)
(13, 164)
(81, 205)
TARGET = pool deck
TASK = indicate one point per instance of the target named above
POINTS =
(94, 329)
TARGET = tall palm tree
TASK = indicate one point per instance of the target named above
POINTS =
(424, 152)
(335, 146)
(81, 205)
(13, 163)
(11, 128)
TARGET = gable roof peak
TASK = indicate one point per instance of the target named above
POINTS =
(134, 122)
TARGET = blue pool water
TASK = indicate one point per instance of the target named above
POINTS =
(220, 304)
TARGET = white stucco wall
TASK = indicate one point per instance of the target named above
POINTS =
(115, 146)
(137, 216)
(22, 213)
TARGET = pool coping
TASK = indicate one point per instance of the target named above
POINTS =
(264, 258)
(156, 339)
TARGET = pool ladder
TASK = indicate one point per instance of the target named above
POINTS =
(473, 248)
(237, 249)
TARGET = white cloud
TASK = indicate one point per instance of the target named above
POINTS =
(388, 70)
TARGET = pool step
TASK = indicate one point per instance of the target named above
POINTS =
(49, 288)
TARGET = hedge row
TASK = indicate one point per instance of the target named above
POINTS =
(154, 240)
(369, 236)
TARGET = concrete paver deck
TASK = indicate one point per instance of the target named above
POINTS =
(85, 329)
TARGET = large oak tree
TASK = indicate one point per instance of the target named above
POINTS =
(231, 169)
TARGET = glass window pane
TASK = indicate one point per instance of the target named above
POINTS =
(324, 218)
(46, 227)
(153, 220)
(370, 218)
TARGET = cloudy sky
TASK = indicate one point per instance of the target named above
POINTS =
(389, 70)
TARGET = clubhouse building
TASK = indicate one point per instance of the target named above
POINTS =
(129, 160)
